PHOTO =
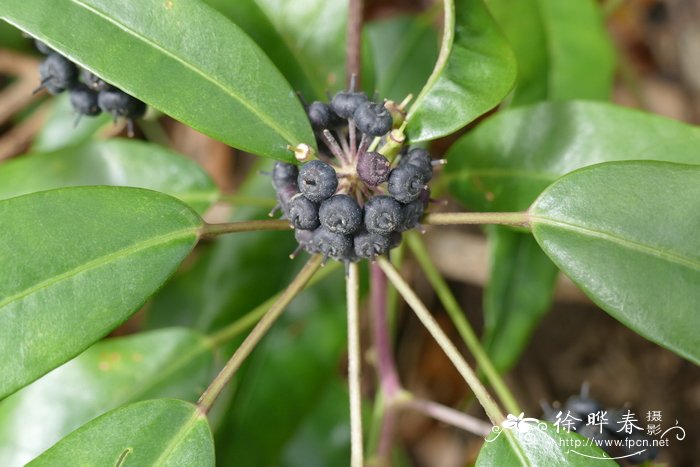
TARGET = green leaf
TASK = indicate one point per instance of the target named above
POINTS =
(306, 40)
(405, 48)
(59, 130)
(183, 58)
(285, 378)
(474, 72)
(76, 263)
(542, 445)
(117, 162)
(156, 432)
(627, 234)
(168, 363)
(557, 44)
(517, 296)
(507, 161)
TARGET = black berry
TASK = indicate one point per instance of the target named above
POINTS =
(57, 73)
(340, 214)
(84, 100)
(284, 174)
(383, 215)
(320, 115)
(344, 103)
(373, 168)
(412, 214)
(406, 182)
(419, 158)
(370, 245)
(333, 245)
(317, 180)
(120, 104)
(305, 239)
(373, 119)
(302, 213)
(93, 81)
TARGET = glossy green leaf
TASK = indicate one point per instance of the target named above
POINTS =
(117, 162)
(508, 160)
(305, 40)
(156, 432)
(556, 45)
(542, 445)
(405, 49)
(475, 71)
(285, 377)
(168, 363)
(183, 58)
(75, 263)
(59, 130)
(627, 234)
(518, 294)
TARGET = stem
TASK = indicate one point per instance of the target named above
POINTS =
(212, 230)
(249, 319)
(206, 401)
(388, 375)
(448, 36)
(450, 416)
(386, 367)
(458, 318)
(518, 219)
(354, 367)
(353, 45)
(490, 407)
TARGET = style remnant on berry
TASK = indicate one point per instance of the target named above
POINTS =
(90, 97)
(351, 201)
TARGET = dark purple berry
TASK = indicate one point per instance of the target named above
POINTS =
(84, 100)
(284, 174)
(406, 183)
(93, 81)
(333, 245)
(320, 115)
(340, 214)
(120, 104)
(302, 213)
(370, 245)
(57, 73)
(344, 103)
(419, 158)
(412, 214)
(317, 180)
(373, 119)
(373, 168)
(383, 215)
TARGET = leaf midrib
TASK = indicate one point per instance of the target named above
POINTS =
(181, 435)
(667, 255)
(98, 262)
(263, 117)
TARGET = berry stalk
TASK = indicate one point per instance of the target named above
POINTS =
(209, 396)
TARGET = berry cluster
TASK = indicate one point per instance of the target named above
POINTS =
(353, 202)
(581, 410)
(90, 96)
